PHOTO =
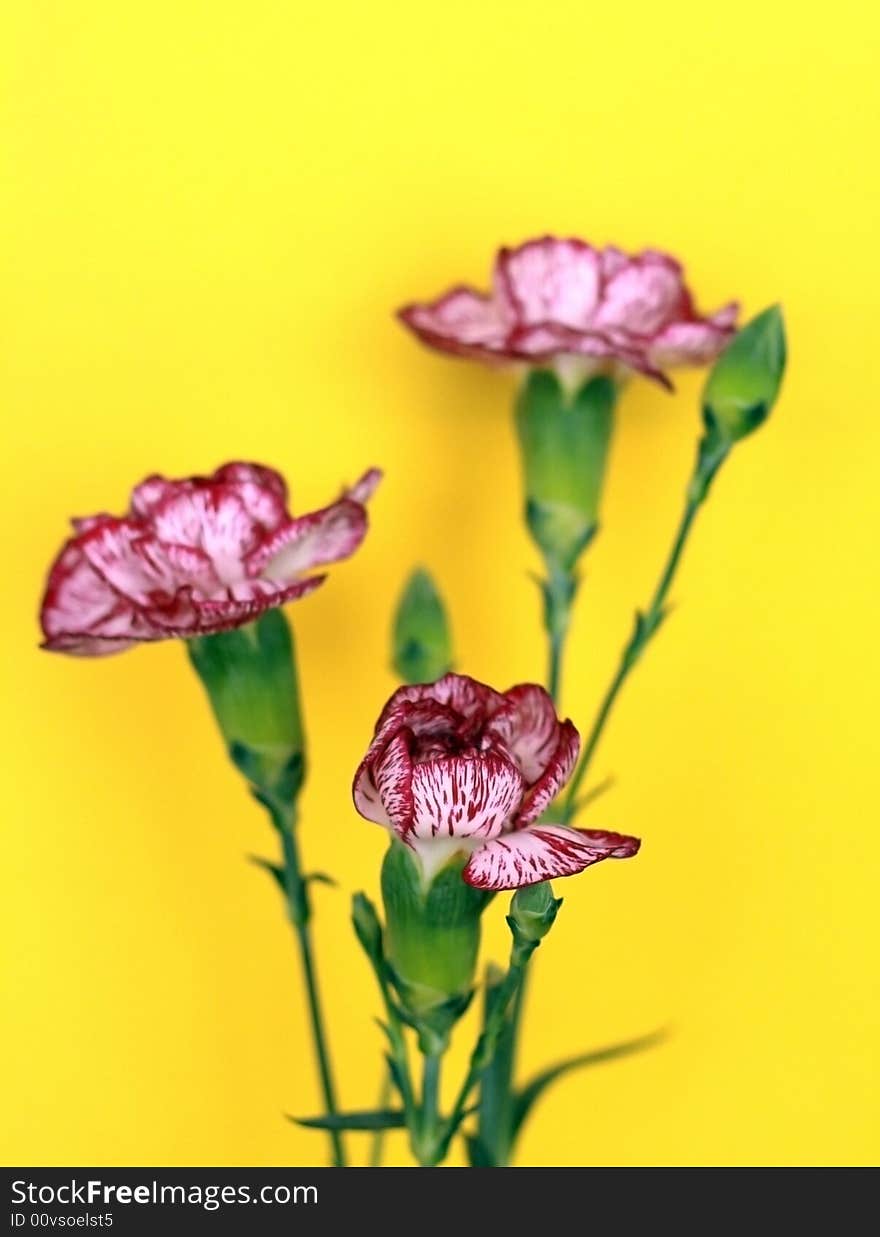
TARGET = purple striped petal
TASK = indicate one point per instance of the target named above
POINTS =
(382, 789)
(529, 728)
(464, 796)
(311, 541)
(543, 852)
(554, 777)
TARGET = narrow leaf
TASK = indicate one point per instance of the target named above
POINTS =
(273, 869)
(320, 878)
(526, 1099)
(376, 1119)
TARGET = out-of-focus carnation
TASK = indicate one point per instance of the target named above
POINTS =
(561, 303)
(192, 557)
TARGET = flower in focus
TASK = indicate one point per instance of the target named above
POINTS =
(455, 765)
(564, 304)
(192, 557)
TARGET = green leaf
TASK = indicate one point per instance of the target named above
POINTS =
(422, 643)
(276, 871)
(375, 1119)
(368, 928)
(320, 878)
(526, 1099)
(273, 869)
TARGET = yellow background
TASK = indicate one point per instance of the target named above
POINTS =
(210, 211)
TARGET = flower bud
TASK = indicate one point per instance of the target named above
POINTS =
(533, 910)
(745, 380)
(564, 441)
(421, 646)
(432, 934)
(250, 677)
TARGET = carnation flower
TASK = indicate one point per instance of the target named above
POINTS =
(457, 766)
(563, 304)
(192, 557)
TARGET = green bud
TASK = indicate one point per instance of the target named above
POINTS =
(367, 926)
(432, 934)
(564, 441)
(422, 646)
(532, 913)
(745, 380)
(250, 677)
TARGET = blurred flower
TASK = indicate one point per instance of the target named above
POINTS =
(564, 304)
(192, 557)
(455, 765)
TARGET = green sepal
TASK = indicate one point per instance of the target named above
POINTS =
(421, 642)
(249, 674)
(432, 936)
(744, 382)
(564, 440)
(371, 1119)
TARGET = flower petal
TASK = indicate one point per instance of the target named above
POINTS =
(542, 852)
(468, 697)
(382, 788)
(428, 722)
(464, 796)
(80, 608)
(140, 567)
(554, 777)
(547, 342)
(311, 541)
(528, 726)
(239, 472)
(364, 489)
(643, 295)
(81, 644)
(461, 321)
(247, 600)
(693, 343)
(214, 519)
(153, 490)
(550, 280)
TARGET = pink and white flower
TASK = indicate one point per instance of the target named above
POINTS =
(564, 304)
(455, 765)
(192, 557)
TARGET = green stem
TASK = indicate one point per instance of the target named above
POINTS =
(554, 672)
(377, 1142)
(711, 456)
(559, 591)
(497, 1079)
(427, 1145)
(494, 1129)
(299, 910)
(486, 1047)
